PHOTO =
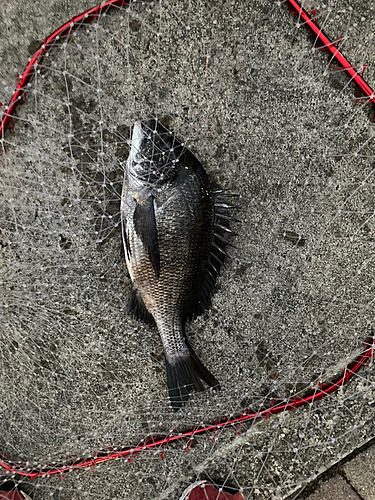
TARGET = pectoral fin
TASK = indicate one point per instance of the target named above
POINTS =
(125, 239)
(145, 227)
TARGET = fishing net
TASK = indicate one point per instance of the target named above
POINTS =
(272, 117)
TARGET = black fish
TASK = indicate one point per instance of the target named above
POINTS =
(175, 229)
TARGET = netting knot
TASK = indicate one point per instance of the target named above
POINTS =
(335, 44)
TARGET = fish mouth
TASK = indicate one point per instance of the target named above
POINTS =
(136, 143)
(153, 156)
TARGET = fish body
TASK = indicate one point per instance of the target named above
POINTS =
(169, 214)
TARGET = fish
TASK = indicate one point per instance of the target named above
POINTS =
(175, 230)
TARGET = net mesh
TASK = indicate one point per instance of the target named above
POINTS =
(269, 120)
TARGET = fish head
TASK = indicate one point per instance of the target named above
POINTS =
(154, 154)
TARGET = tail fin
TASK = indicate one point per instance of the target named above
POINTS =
(184, 374)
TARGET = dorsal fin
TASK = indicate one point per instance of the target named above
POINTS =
(221, 239)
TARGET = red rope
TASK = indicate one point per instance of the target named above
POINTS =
(162, 442)
(246, 415)
(312, 24)
(64, 30)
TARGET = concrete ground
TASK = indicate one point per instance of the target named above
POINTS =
(353, 478)
(241, 84)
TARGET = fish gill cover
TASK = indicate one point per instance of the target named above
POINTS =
(239, 84)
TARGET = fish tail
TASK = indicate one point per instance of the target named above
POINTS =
(185, 372)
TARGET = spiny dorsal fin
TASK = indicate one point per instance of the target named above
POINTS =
(145, 227)
(221, 239)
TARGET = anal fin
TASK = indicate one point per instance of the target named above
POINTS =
(137, 308)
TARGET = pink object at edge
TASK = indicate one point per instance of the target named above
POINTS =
(203, 490)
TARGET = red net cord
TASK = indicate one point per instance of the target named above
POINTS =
(332, 47)
(157, 442)
(64, 30)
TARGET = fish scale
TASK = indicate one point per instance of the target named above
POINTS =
(172, 233)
